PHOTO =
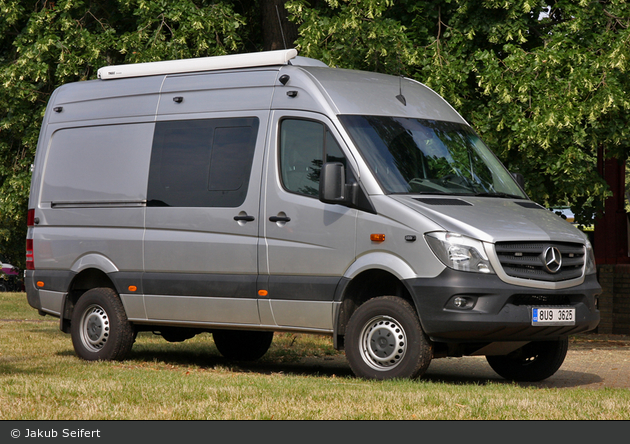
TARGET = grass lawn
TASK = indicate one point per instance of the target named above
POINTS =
(42, 379)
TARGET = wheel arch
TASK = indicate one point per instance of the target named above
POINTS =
(366, 285)
(89, 274)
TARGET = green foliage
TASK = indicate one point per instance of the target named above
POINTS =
(358, 34)
(557, 102)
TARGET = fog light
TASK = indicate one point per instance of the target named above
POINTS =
(460, 302)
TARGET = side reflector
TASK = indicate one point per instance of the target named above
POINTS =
(377, 237)
(263, 292)
(133, 288)
(30, 218)
(40, 284)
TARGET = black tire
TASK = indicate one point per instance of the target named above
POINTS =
(533, 362)
(100, 330)
(384, 340)
(242, 345)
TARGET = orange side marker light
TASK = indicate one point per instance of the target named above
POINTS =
(377, 237)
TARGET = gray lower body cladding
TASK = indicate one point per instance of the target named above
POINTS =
(196, 299)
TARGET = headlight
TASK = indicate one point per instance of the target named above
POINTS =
(459, 252)
(590, 268)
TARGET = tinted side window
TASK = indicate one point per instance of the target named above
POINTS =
(201, 163)
(108, 157)
(303, 145)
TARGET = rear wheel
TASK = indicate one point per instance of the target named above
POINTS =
(384, 340)
(100, 329)
(242, 345)
(533, 362)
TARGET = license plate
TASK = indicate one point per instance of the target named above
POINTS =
(553, 316)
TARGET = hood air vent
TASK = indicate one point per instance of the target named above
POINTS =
(529, 204)
(443, 201)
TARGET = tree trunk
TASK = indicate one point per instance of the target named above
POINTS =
(278, 32)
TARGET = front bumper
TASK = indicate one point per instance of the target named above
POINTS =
(496, 311)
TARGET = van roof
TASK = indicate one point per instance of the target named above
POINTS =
(248, 60)
(321, 88)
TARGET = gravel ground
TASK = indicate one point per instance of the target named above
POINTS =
(594, 361)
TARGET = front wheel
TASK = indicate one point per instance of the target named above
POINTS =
(532, 362)
(384, 340)
(100, 330)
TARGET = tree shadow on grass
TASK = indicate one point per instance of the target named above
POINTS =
(456, 371)
(211, 359)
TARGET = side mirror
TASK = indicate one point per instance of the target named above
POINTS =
(520, 180)
(332, 183)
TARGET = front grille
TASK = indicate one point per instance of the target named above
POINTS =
(526, 260)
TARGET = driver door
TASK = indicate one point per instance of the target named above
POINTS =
(308, 244)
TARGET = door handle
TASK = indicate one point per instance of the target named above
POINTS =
(245, 218)
(279, 219)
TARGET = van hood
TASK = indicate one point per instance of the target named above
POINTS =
(492, 219)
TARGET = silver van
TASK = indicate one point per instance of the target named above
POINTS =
(247, 194)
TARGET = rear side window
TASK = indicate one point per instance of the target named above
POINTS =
(96, 165)
(201, 163)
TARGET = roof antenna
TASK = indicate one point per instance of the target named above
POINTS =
(400, 96)
(281, 31)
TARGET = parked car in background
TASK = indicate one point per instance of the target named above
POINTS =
(10, 278)
(565, 213)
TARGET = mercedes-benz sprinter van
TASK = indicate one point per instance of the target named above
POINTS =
(248, 194)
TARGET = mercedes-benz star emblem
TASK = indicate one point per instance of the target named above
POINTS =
(552, 259)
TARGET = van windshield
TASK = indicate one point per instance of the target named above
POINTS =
(417, 156)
